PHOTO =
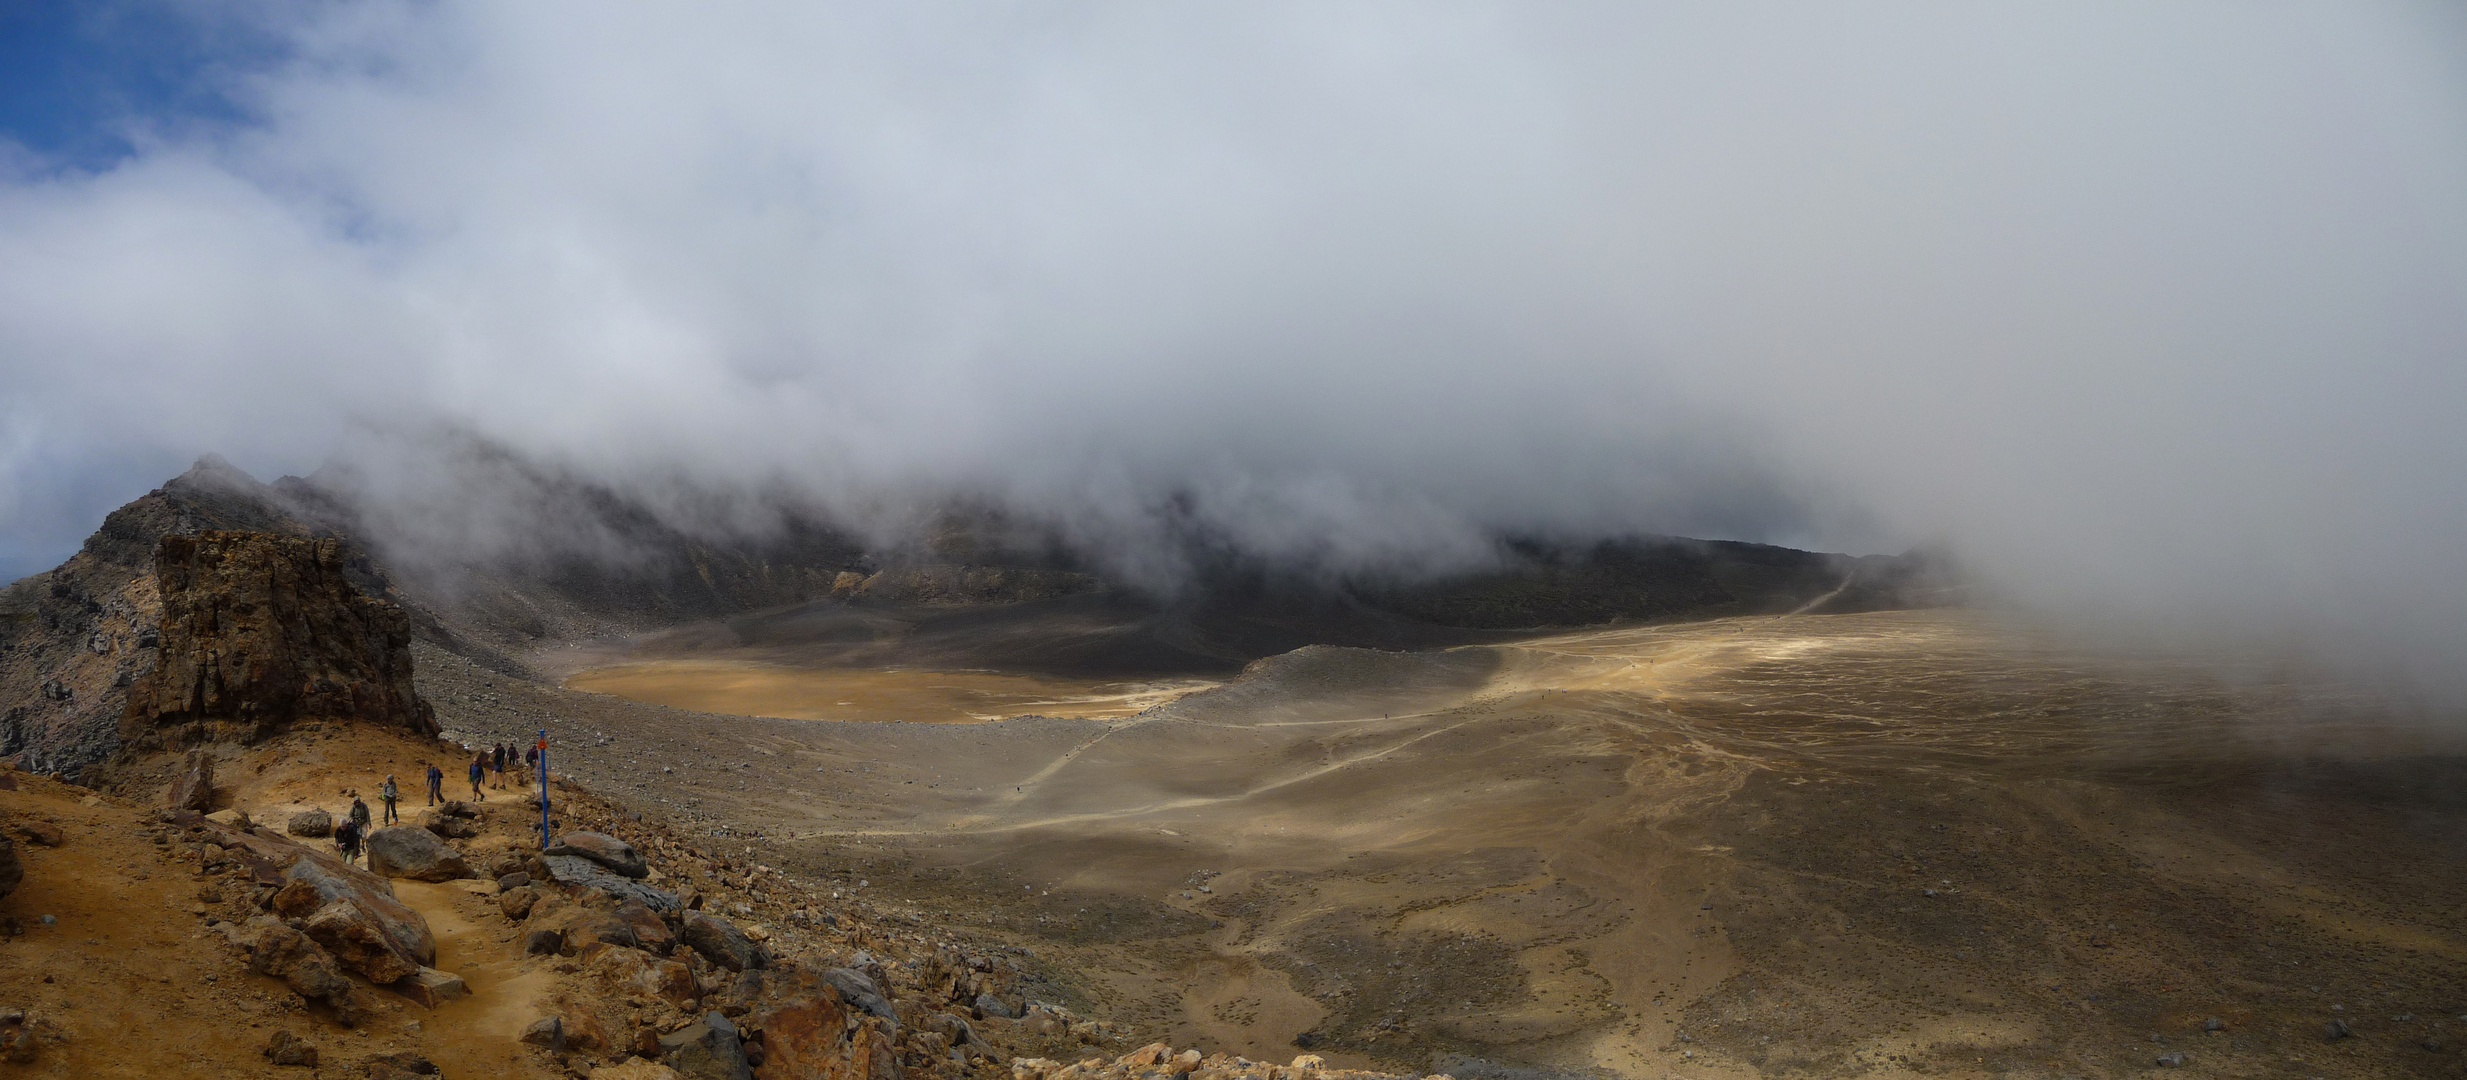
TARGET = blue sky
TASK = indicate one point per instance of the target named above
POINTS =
(79, 80)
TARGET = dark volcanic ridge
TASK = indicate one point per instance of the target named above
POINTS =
(588, 564)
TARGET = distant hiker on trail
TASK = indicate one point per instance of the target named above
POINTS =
(387, 793)
(479, 773)
(531, 765)
(501, 756)
(359, 812)
(436, 784)
(347, 836)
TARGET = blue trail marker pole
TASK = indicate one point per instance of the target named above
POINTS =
(544, 839)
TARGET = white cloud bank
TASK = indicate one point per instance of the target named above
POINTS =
(2158, 311)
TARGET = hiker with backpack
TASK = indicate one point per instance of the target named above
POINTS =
(479, 773)
(387, 793)
(347, 836)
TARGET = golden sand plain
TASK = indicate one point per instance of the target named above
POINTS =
(753, 688)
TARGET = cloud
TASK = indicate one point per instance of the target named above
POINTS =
(2150, 312)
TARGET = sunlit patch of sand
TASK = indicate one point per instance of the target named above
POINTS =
(749, 688)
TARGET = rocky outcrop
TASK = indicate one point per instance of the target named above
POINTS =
(259, 631)
(408, 851)
(581, 872)
(311, 823)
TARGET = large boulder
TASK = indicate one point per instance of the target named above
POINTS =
(720, 942)
(613, 854)
(578, 871)
(311, 823)
(193, 789)
(311, 885)
(259, 630)
(408, 851)
(354, 937)
(708, 1049)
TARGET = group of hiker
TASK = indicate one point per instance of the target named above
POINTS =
(353, 831)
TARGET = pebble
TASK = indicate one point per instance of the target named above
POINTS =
(50, 920)
(2175, 1060)
(2336, 1030)
(2214, 1024)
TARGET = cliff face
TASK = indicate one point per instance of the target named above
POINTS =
(258, 630)
(75, 639)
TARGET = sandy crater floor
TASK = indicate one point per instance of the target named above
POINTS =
(1889, 844)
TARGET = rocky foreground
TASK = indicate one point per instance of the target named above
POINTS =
(643, 955)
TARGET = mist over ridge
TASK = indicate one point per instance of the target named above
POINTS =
(2157, 318)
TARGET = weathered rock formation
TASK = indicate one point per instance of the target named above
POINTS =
(259, 631)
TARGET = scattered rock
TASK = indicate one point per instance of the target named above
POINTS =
(720, 942)
(286, 1048)
(635, 970)
(402, 1066)
(40, 833)
(1309, 1061)
(518, 901)
(994, 1006)
(547, 1032)
(615, 855)
(2214, 1024)
(459, 808)
(431, 987)
(193, 789)
(407, 851)
(278, 950)
(543, 943)
(234, 819)
(2175, 1060)
(707, 1049)
(635, 1069)
(2336, 1030)
(316, 823)
(859, 990)
(512, 881)
(448, 826)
